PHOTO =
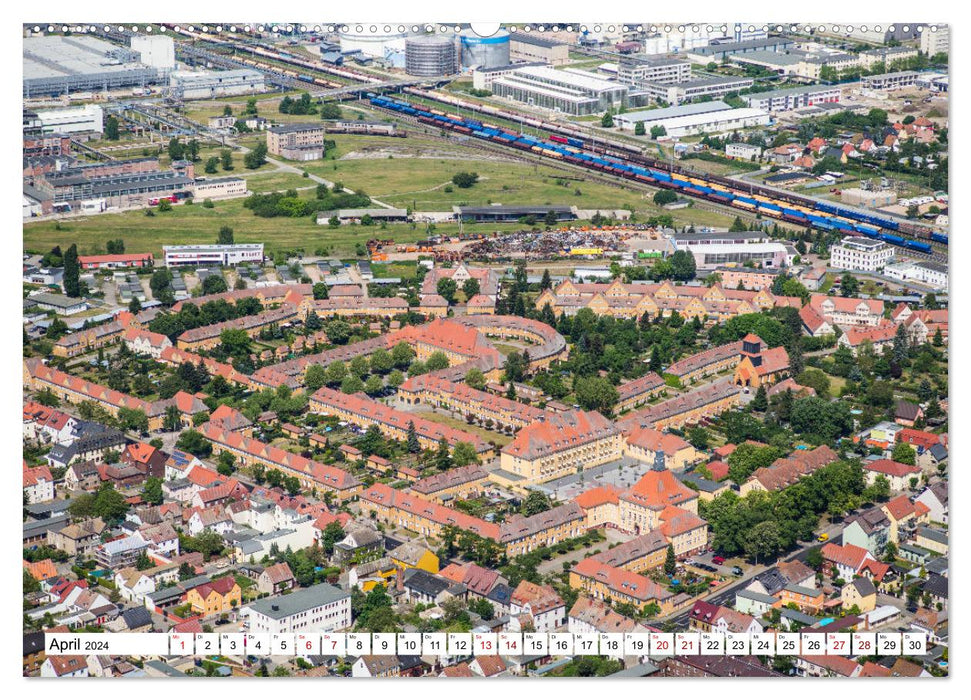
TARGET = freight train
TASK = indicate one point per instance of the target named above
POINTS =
(576, 151)
(631, 155)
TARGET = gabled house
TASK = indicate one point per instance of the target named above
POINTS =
(275, 579)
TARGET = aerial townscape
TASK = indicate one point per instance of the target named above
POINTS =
(593, 328)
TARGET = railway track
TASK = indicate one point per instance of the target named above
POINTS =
(573, 170)
(608, 147)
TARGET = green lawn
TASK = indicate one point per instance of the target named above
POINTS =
(487, 435)
(194, 224)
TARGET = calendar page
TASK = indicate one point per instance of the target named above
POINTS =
(460, 350)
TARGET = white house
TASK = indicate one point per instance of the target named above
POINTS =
(64, 667)
(38, 484)
(320, 608)
(935, 498)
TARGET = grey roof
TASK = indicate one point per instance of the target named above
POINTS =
(136, 617)
(797, 616)
(426, 583)
(636, 671)
(36, 528)
(937, 566)
(651, 115)
(933, 534)
(501, 593)
(299, 601)
(772, 580)
(936, 585)
(534, 40)
(295, 128)
(165, 669)
(938, 451)
(801, 90)
(756, 596)
(864, 586)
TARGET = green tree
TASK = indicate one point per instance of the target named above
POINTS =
(226, 236)
(195, 443)
(670, 562)
(904, 453)
(596, 393)
(639, 129)
(72, 272)
(447, 288)
(226, 159)
(436, 361)
(152, 491)
(111, 128)
(535, 503)
(257, 157)
(475, 379)
(760, 401)
(414, 446)
(109, 504)
(443, 460)
(226, 464)
(212, 165)
(464, 454)
(465, 179)
(607, 120)
(470, 287)
(762, 540)
(683, 265)
(662, 197)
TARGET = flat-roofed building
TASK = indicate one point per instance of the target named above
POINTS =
(707, 86)
(709, 256)
(296, 141)
(719, 52)
(573, 92)
(524, 47)
(72, 120)
(793, 98)
(890, 81)
(649, 117)
(859, 253)
(320, 608)
(661, 70)
(59, 65)
(219, 187)
(935, 40)
(214, 254)
(208, 84)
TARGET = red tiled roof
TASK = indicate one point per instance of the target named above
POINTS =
(900, 507)
(718, 469)
(557, 432)
(890, 468)
(622, 581)
(325, 474)
(659, 489)
(540, 598)
(384, 495)
(598, 496)
(847, 554)
(654, 440)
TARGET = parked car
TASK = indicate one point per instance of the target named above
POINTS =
(822, 538)
(737, 570)
(718, 560)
